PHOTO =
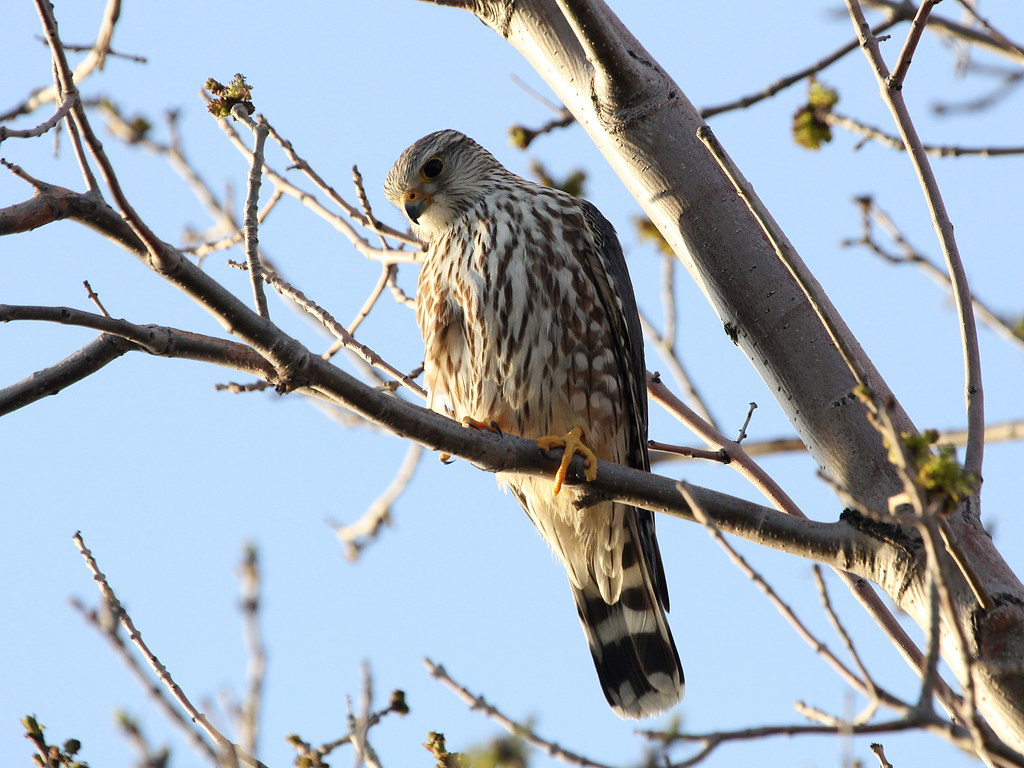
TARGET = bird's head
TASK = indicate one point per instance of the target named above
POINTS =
(438, 178)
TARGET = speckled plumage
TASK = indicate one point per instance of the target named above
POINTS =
(528, 320)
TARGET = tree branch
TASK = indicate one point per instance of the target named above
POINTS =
(954, 30)
(891, 92)
(80, 365)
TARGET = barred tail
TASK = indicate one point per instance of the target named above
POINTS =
(636, 658)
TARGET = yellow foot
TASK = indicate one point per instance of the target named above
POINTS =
(572, 442)
(490, 426)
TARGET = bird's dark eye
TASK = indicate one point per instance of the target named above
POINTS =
(432, 168)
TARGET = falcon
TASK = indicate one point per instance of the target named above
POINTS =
(530, 327)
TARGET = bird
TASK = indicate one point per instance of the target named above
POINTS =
(530, 327)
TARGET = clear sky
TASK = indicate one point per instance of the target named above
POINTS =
(168, 479)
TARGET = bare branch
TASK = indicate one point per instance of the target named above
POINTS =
(93, 62)
(871, 688)
(357, 535)
(879, 751)
(896, 15)
(862, 684)
(522, 136)
(105, 621)
(358, 727)
(328, 321)
(895, 142)
(899, 73)
(893, 98)
(761, 480)
(174, 154)
(159, 340)
(754, 474)
(252, 256)
(870, 213)
(664, 341)
(338, 222)
(44, 127)
(118, 337)
(521, 730)
(954, 30)
(953, 733)
(95, 298)
(159, 669)
(72, 369)
(252, 702)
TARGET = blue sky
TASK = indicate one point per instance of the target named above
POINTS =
(168, 479)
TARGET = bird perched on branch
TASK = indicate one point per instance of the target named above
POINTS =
(530, 326)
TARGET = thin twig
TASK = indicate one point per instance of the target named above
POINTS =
(954, 30)
(359, 726)
(173, 154)
(964, 565)
(944, 231)
(895, 15)
(899, 73)
(92, 62)
(341, 224)
(879, 751)
(972, 11)
(95, 298)
(871, 212)
(522, 136)
(942, 578)
(858, 683)
(385, 277)
(526, 733)
(252, 198)
(665, 341)
(746, 423)
(872, 690)
(767, 485)
(718, 442)
(41, 129)
(934, 637)
(159, 669)
(953, 733)
(148, 755)
(1000, 432)
(837, 120)
(357, 535)
(256, 657)
(328, 321)
(104, 620)
(688, 452)
(364, 202)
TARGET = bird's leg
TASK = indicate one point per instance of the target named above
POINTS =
(471, 423)
(572, 442)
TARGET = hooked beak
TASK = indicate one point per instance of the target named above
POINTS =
(414, 203)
